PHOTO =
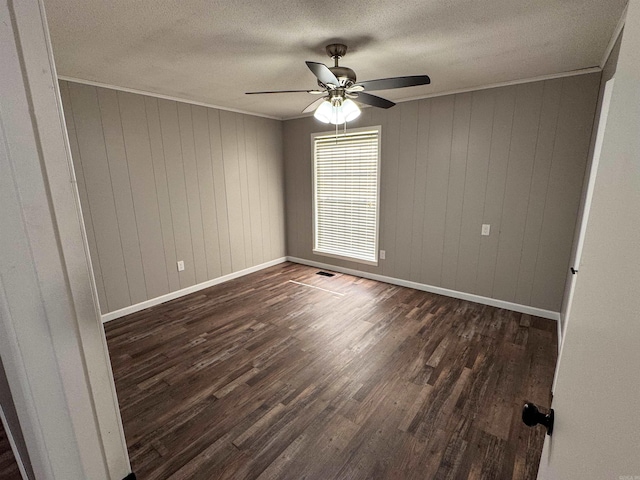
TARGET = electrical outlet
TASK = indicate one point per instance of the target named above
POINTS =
(180, 265)
(486, 229)
(383, 254)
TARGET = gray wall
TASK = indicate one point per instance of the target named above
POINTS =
(162, 181)
(513, 157)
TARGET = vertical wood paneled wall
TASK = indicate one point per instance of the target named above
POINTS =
(513, 157)
(162, 181)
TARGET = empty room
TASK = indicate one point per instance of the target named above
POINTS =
(295, 240)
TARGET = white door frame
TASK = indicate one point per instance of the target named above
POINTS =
(595, 401)
(593, 171)
(51, 339)
(16, 452)
(584, 218)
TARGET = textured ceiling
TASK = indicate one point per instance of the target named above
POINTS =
(213, 51)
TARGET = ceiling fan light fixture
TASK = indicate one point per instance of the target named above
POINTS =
(324, 112)
(350, 110)
(337, 111)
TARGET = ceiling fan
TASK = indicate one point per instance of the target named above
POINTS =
(339, 89)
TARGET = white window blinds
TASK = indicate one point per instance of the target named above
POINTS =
(346, 188)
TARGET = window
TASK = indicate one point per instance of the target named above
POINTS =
(345, 194)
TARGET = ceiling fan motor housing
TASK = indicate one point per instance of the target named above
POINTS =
(346, 75)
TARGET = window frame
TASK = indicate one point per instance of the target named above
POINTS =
(332, 134)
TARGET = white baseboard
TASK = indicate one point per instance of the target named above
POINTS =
(12, 443)
(560, 329)
(107, 317)
(516, 307)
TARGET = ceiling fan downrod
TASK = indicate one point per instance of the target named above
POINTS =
(345, 75)
(336, 51)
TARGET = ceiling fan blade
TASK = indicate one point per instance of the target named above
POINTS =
(395, 82)
(284, 91)
(323, 73)
(313, 105)
(374, 101)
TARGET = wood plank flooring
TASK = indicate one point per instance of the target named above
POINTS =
(286, 374)
(8, 465)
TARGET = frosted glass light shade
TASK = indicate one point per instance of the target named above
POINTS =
(337, 114)
(323, 112)
(350, 110)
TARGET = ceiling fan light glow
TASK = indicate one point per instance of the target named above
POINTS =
(323, 112)
(337, 116)
(337, 112)
(350, 110)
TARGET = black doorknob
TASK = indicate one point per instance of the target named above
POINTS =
(532, 416)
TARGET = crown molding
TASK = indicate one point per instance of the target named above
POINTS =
(520, 81)
(540, 78)
(162, 96)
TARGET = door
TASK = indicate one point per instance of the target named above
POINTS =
(597, 427)
(582, 221)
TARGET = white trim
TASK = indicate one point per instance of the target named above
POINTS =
(560, 328)
(492, 302)
(561, 321)
(551, 76)
(14, 447)
(107, 317)
(56, 359)
(592, 173)
(164, 97)
(614, 37)
(583, 221)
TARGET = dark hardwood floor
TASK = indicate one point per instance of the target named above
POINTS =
(265, 377)
(8, 465)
